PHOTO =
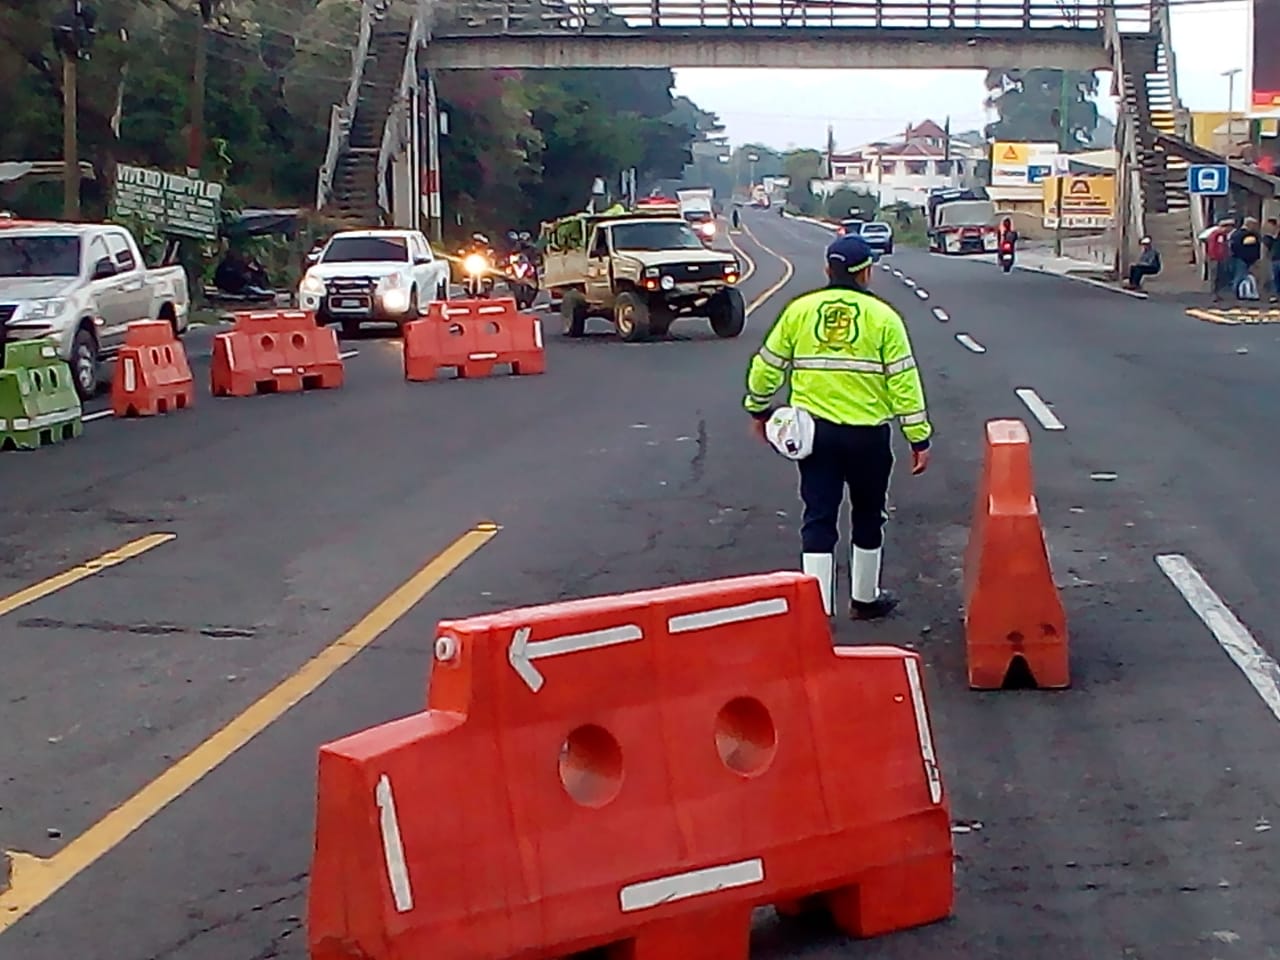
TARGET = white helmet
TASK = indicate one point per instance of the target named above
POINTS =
(790, 430)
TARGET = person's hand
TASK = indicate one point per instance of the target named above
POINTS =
(757, 427)
(919, 462)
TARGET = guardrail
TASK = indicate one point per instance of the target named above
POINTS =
(493, 17)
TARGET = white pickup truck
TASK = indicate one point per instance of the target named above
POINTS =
(83, 284)
(372, 276)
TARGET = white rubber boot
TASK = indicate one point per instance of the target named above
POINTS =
(869, 601)
(822, 566)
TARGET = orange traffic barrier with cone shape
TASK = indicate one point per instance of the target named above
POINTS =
(275, 351)
(152, 375)
(1013, 610)
(473, 337)
(638, 773)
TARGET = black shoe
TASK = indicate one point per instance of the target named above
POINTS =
(881, 606)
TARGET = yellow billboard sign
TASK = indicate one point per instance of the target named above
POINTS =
(1020, 164)
(1087, 202)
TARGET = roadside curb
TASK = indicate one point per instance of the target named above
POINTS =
(1045, 271)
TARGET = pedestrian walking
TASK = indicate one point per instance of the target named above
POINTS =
(852, 372)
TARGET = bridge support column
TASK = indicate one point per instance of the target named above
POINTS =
(430, 194)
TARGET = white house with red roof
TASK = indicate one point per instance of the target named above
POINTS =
(906, 169)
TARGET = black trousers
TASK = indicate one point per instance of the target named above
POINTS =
(859, 459)
(1138, 271)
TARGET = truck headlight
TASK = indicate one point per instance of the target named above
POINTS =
(396, 301)
(44, 309)
(708, 229)
(668, 282)
(312, 284)
(652, 271)
(392, 281)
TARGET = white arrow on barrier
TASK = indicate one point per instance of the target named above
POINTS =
(522, 654)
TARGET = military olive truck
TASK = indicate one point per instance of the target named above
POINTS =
(641, 271)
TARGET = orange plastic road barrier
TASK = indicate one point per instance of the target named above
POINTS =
(1012, 606)
(275, 351)
(473, 336)
(152, 375)
(634, 772)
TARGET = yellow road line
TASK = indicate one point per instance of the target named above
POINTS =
(111, 558)
(788, 271)
(34, 880)
(751, 264)
(1210, 316)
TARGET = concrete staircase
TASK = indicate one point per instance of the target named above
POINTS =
(1149, 97)
(354, 197)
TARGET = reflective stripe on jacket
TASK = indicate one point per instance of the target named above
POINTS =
(850, 362)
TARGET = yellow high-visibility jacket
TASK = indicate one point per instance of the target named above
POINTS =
(850, 362)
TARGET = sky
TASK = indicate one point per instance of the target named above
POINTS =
(780, 108)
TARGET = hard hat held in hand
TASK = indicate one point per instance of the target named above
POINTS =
(790, 430)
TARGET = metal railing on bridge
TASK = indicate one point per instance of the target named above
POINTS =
(487, 18)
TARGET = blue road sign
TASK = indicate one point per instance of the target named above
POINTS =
(1208, 179)
(1037, 172)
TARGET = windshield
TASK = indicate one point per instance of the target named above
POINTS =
(360, 249)
(876, 228)
(56, 256)
(655, 236)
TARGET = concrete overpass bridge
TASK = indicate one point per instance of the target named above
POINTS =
(382, 160)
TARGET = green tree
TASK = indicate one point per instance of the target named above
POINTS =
(1029, 104)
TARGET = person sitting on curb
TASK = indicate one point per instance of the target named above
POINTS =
(1148, 265)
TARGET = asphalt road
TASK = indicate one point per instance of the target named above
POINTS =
(1129, 817)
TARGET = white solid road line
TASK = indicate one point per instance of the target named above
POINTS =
(941, 315)
(969, 343)
(1233, 636)
(922, 294)
(99, 415)
(1039, 409)
(348, 354)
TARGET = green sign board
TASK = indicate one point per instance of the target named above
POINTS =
(170, 202)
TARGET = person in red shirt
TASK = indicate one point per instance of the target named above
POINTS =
(1217, 242)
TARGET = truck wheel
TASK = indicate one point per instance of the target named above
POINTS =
(84, 363)
(631, 317)
(727, 312)
(573, 311)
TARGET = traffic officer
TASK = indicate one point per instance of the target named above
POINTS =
(852, 372)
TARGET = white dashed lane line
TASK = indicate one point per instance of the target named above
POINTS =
(898, 274)
(969, 343)
(941, 315)
(348, 354)
(1039, 409)
(908, 281)
(922, 294)
(1234, 637)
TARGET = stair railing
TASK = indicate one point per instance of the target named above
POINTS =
(341, 115)
(1182, 125)
(397, 128)
(1130, 201)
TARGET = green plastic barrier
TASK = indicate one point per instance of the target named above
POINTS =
(38, 401)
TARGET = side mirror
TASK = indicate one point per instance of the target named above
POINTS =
(104, 269)
(421, 261)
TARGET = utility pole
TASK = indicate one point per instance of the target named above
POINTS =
(70, 143)
(195, 135)
(1060, 174)
(1231, 101)
(73, 33)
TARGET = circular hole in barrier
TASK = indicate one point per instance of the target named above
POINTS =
(298, 340)
(745, 736)
(268, 342)
(491, 328)
(591, 766)
(455, 330)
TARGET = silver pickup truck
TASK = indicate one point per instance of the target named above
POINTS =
(83, 284)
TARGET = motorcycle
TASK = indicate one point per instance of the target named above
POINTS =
(522, 280)
(478, 280)
(1005, 256)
